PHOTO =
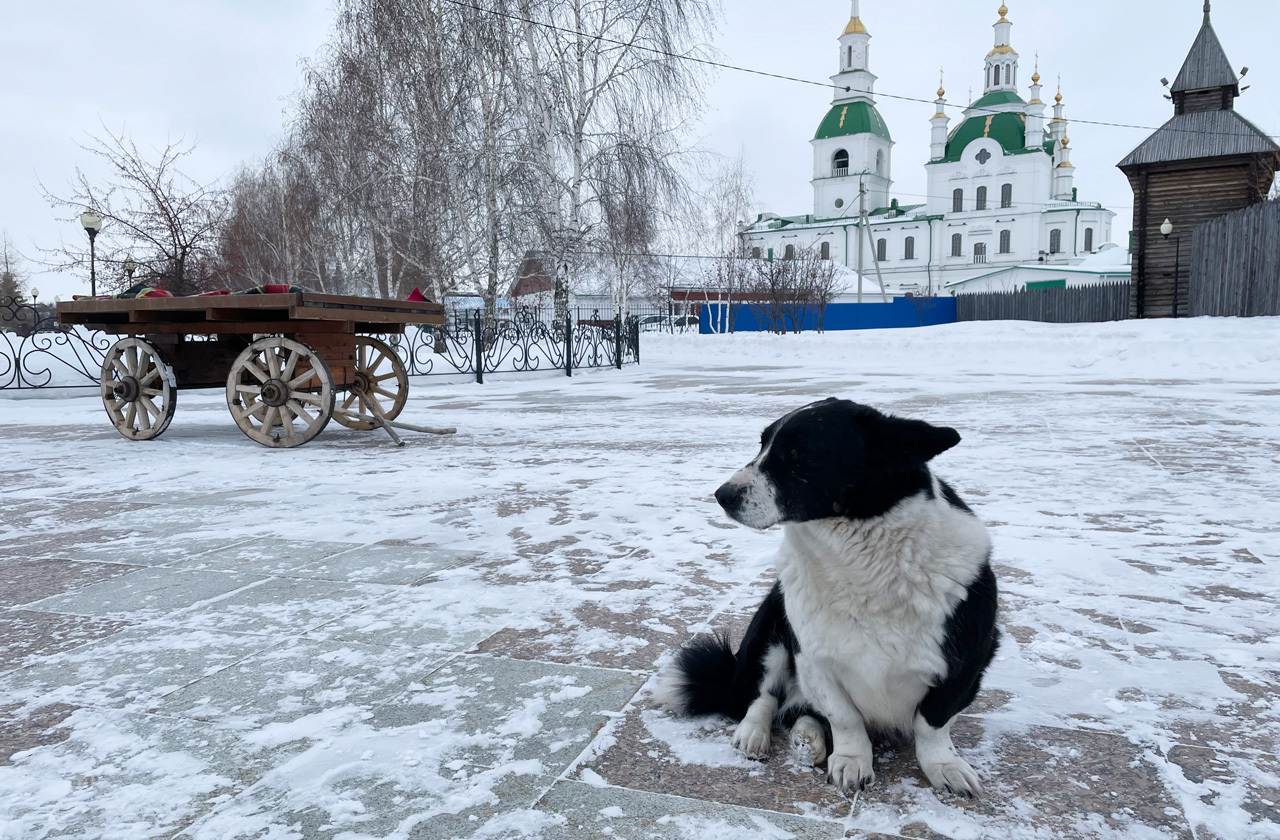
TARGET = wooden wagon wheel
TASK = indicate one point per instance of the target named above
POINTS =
(380, 378)
(139, 391)
(280, 392)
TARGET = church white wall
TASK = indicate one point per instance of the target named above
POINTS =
(862, 149)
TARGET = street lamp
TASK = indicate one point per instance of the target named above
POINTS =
(92, 225)
(1167, 230)
(129, 268)
(35, 309)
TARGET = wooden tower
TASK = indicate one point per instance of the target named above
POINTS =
(1204, 163)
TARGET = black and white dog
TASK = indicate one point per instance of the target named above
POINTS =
(884, 615)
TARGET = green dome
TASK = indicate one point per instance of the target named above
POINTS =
(999, 97)
(853, 118)
(1008, 129)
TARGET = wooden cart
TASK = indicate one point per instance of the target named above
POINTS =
(289, 362)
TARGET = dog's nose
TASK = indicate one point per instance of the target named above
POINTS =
(730, 496)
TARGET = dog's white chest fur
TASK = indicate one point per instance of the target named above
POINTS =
(869, 601)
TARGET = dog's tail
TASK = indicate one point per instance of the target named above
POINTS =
(705, 679)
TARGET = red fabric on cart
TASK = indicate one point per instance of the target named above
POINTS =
(417, 297)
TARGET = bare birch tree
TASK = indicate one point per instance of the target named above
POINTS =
(151, 210)
(602, 74)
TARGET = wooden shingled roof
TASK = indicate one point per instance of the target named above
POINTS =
(1201, 134)
(1206, 65)
(1205, 124)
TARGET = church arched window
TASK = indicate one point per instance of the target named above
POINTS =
(826, 250)
(882, 250)
(849, 63)
(790, 253)
(1008, 74)
(979, 253)
(995, 76)
(840, 163)
(982, 199)
(1006, 195)
(957, 201)
(1055, 241)
(880, 163)
(755, 253)
(909, 250)
(957, 245)
(1088, 240)
(1006, 241)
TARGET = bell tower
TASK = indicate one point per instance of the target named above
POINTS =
(853, 145)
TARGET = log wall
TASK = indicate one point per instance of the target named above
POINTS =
(1188, 194)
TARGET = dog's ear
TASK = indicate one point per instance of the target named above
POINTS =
(916, 440)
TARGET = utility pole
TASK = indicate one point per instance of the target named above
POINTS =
(862, 221)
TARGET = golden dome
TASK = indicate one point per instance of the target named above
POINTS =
(855, 27)
(1058, 98)
(1066, 141)
(1036, 78)
(941, 93)
(1004, 10)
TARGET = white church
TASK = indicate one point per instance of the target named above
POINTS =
(1001, 199)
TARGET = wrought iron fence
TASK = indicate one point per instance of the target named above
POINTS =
(36, 352)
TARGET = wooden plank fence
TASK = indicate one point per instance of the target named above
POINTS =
(1078, 305)
(1235, 264)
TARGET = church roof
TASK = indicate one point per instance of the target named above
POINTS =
(1201, 134)
(1008, 129)
(1206, 65)
(850, 119)
(999, 97)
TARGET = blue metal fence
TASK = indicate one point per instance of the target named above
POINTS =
(901, 312)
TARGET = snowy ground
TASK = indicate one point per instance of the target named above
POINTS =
(203, 638)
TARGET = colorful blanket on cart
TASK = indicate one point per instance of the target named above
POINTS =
(274, 289)
(142, 290)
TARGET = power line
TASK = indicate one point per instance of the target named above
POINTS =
(751, 71)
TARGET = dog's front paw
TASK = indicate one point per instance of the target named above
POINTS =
(954, 776)
(752, 739)
(850, 773)
(807, 738)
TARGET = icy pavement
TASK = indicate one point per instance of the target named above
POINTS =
(202, 638)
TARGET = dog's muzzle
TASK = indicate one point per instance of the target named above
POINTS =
(750, 498)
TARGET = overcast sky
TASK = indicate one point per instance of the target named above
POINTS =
(222, 72)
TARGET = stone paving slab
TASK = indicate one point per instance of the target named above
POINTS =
(279, 607)
(151, 550)
(27, 581)
(122, 775)
(298, 678)
(132, 669)
(421, 617)
(477, 738)
(23, 729)
(1111, 783)
(389, 563)
(590, 812)
(147, 593)
(265, 556)
(27, 635)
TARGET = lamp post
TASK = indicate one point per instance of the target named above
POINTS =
(129, 268)
(1167, 230)
(92, 225)
(35, 309)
